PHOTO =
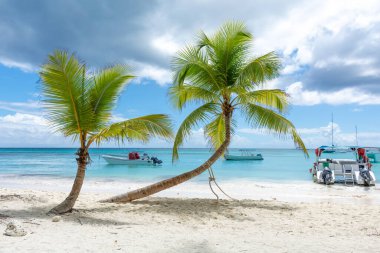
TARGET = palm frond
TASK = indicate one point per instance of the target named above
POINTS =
(65, 91)
(227, 50)
(260, 117)
(108, 84)
(218, 70)
(137, 129)
(180, 95)
(215, 131)
(201, 114)
(259, 70)
(275, 98)
(192, 65)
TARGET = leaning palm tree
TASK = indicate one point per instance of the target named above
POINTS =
(79, 104)
(218, 74)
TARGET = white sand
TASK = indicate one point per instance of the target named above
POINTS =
(278, 218)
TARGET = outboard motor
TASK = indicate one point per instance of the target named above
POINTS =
(364, 173)
(156, 161)
(327, 176)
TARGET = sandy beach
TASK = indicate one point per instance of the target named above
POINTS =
(334, 219)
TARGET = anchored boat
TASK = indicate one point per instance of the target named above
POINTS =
(133, 158)
(245, 154)
(353, 170)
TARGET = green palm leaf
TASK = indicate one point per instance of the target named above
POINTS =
(66, 97)
(259, 70)
(183, 94)
(108, 84)
(218, 70)
(227, 50)
(261, 117)
(215, 131)
(201, 114)
(192, 64)
(137, 129)
(274, 98)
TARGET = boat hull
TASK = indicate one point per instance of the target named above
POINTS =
(244, 158)
(120, 160)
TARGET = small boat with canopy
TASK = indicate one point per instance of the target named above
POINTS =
(245, 154)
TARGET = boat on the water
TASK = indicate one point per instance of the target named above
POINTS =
(355, 169)
(133, 158)
(245, 154)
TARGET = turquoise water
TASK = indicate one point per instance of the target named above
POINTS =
(278, 165)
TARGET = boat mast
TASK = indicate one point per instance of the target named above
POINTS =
(356, 135)
(332, 130)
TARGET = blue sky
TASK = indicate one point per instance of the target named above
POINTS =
(329, 52)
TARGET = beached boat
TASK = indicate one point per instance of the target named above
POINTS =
(245, 154)
(133, 158)
(353, 170)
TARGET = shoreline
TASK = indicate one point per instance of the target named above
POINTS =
(287, 191)
(157, 224)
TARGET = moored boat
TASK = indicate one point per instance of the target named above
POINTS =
(353, 170)
(245, 154)
(133, 158)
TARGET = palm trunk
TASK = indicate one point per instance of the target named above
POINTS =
(168, 183)
(68, 203)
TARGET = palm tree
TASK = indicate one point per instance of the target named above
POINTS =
(79, 104)
(218, 74)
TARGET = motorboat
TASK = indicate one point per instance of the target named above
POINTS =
(133, 158)
(245, 154)
(329, 149)
(353, 170)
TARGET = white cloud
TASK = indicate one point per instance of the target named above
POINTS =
(301, 96)
(339, 36)
(25, 119)
(314, 137)
(196, 139)
(145, 71)
(256, 131)
(324, 130)
(166, 44)
(27, 130)
(22, 107)
(24, 66)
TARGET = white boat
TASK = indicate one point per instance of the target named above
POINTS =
(133, 158)
(354, 170)
(245, 154)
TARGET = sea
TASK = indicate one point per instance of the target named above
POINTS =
(279, 165)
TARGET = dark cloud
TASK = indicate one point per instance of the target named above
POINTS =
(349, 58)
(102, 32)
